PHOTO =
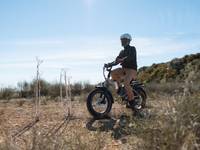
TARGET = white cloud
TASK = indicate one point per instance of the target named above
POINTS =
(161, 46)
(33, 42)
(85, 57)
(94, 50)
(16, 65)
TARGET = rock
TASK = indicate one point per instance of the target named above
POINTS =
(1, 140)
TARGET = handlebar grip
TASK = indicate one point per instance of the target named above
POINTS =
(106, 65)
(110, 64)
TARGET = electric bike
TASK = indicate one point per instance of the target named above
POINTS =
(100, 100)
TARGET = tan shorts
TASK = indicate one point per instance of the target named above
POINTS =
(124, 75)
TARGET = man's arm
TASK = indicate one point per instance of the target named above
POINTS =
(120, 58)
(131, 56)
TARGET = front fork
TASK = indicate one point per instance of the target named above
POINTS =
(106, 91)
(102, 99)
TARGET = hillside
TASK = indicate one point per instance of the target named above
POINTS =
(184, 69)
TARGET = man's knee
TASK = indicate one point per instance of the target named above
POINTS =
(113, 75)
(116, 73)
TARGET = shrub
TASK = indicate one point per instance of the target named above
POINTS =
(180, 129)
(7, 93)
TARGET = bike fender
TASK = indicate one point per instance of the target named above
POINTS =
(140, 85)
(140, 88)
(107, 92)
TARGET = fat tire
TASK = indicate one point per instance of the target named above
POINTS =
(89, 104)
(143, 95)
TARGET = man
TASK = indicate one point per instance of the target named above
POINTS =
(128, 60)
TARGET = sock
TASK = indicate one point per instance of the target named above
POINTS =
(116, 85)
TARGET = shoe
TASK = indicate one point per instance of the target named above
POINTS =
(138, 102)
(139, 113)
(135, 105)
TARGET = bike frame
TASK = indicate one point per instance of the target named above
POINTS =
(108, 82)
(106, 98)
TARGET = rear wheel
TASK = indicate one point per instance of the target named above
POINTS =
(99, 103)
(141, 96)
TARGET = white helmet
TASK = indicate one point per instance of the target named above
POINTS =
(126, 36)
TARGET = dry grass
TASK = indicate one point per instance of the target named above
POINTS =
(171, 123)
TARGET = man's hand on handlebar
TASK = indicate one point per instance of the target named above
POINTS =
(110, 64)
(106, 65)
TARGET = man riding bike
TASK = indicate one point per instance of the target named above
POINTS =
(128, 72)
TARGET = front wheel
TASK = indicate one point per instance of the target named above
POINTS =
(99, 103)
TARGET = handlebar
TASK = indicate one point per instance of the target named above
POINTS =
(108, 68)
(108, 65)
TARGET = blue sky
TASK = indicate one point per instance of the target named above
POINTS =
(83, 34)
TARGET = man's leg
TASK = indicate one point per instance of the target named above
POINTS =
(117, 75)
(130, 74)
